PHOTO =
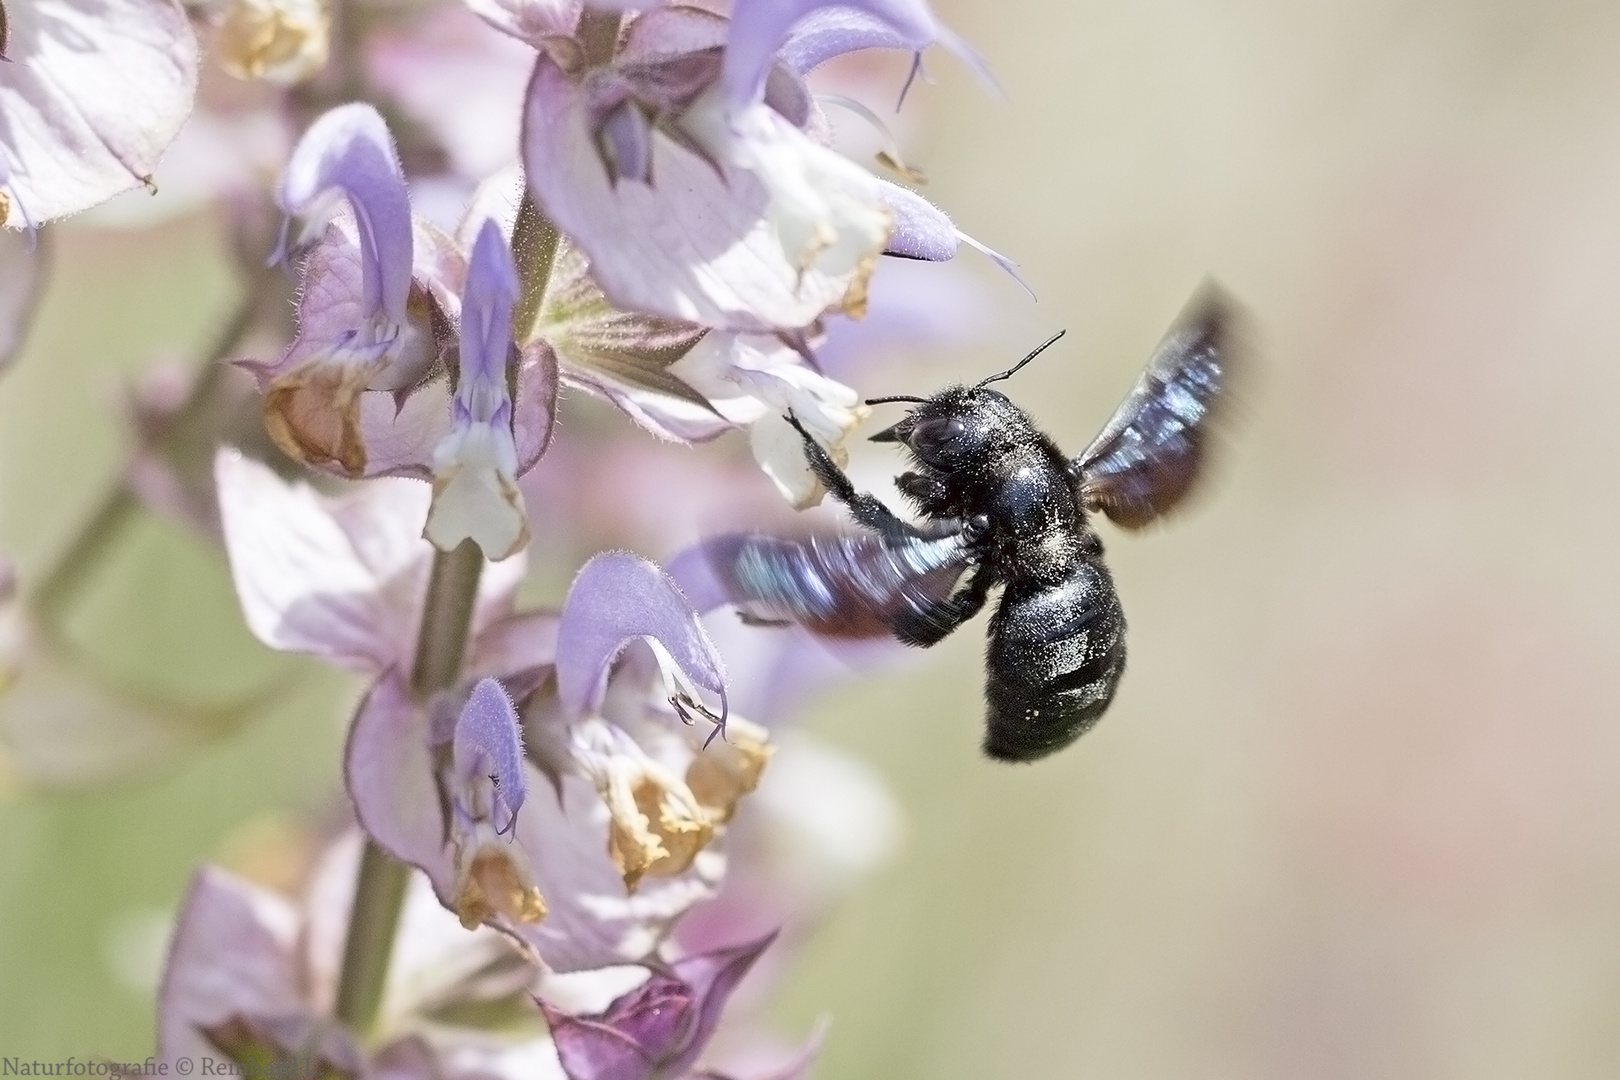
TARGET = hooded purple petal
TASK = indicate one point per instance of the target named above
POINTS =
(348, 152)
(759, 29)
(486, 321)
(489, 746)
(619, 598)
(921, 229)
(829, 32)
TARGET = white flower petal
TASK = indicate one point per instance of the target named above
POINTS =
(92, 93)
(300, 575)
(231, 957)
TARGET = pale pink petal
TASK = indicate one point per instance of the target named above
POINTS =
(232, 956)
(91, 93)
(304, 583)
(698, 244)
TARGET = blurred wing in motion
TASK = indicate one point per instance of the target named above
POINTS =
(854, 586)
(1152, 450)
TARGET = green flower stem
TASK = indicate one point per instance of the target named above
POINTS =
(58, 586)
(379, 897)
(379, 893)
(441, 650)
(441, 644)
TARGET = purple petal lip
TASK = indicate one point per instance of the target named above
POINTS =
(807, 33)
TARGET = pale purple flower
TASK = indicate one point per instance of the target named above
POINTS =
(91, 92)
(347, 155)
(598, 867)
(364, 389)
(475, 467)
(709, 206)
(594, 870)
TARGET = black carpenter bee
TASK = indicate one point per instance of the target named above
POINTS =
(1004, 505)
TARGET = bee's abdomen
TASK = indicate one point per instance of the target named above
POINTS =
(1056, 655)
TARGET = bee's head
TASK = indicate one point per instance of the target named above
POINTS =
(956, 426)
(960, 424)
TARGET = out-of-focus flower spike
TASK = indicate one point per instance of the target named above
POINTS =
(816, 30)
(22, 266)
(280, 41)
(349, 154)
(475, 493)
(619, 598)
(487, 756)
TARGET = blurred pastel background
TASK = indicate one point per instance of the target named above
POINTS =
(1356, 811)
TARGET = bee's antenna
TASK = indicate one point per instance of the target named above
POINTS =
(1010, 372)
(894, 397)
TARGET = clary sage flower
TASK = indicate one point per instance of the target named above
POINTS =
(365, 387)
(252, 978)
(687, 169)
(592, 871)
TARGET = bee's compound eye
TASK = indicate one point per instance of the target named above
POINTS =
(940, 435)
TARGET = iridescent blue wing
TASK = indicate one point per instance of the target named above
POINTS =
(852, 586)
(1153, 449)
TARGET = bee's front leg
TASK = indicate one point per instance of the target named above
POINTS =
(865, 508)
